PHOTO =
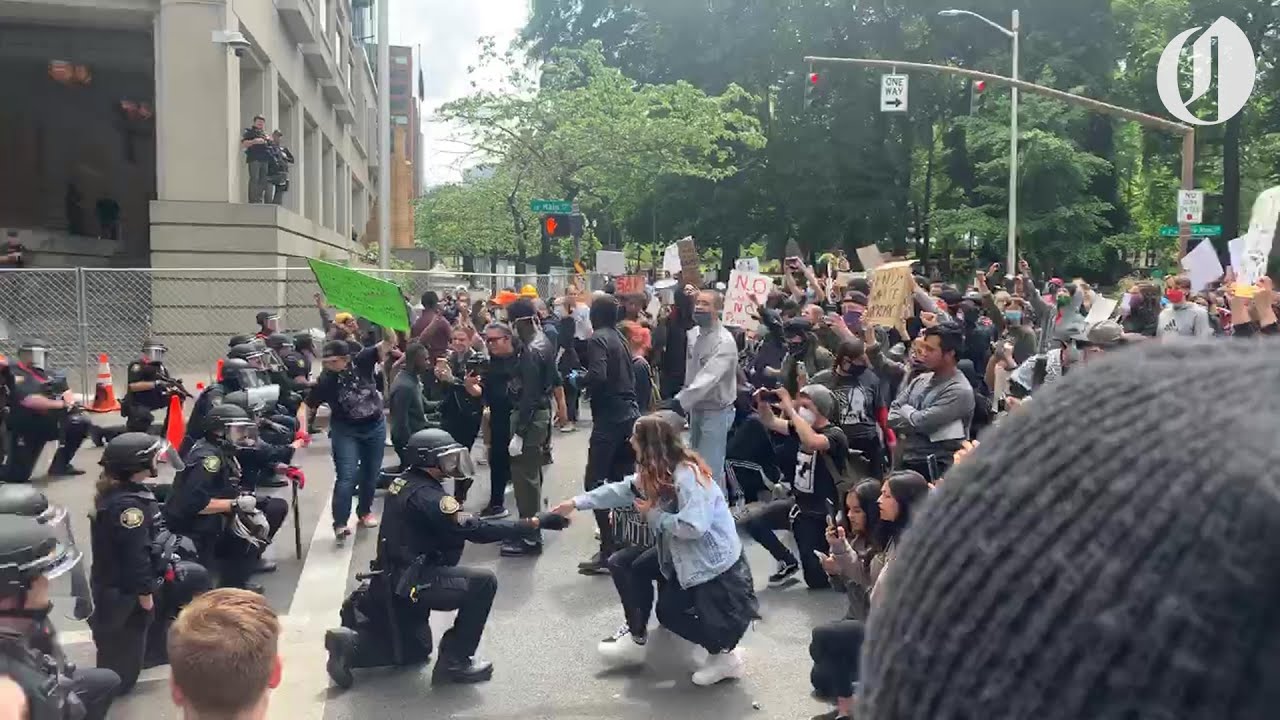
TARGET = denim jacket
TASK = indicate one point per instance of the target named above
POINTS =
(697, 538)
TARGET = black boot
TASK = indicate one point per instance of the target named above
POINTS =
(341, 644)
(463, 670)
(64, 470)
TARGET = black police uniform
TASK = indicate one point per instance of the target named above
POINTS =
(28, 430)
(423, 533)
(211, 397)
(135, 554)
(138, 407)
(213, 473)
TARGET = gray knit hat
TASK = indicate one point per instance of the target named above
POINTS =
(824, 401)
(1129, 568)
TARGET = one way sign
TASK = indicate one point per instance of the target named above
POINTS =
(893, 93)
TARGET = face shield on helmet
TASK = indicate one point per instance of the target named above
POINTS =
(271, 324)
(153, 353)
(168, 455)
(242, 433)
(456, 462)
(65, 571)
(36, 355)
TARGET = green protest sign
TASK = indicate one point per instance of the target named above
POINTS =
(376, 300)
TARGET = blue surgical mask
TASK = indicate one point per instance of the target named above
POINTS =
(703, 317)
(1013, 317)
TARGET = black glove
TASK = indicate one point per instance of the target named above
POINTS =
(552, 521)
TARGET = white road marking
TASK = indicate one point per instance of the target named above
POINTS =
(316, 601)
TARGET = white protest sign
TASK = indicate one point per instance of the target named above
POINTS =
(1202, 265)
(893, 93)
(1236, 249)
(746, 292)
(747, 265)
(1100, 310)
(671, 259)
(611, 262)
(1191, 206)
(870, 257)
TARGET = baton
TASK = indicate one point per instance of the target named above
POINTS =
(296, 480)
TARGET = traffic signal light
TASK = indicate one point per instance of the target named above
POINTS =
(811, 85)
(977, 95)
(557, 225)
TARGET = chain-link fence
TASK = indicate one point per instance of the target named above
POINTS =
(87, 313)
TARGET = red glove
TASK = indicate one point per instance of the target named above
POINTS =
(295, 474)
(304, 436)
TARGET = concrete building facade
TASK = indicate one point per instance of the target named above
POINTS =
(176, 174)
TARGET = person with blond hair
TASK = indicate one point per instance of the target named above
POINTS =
(224, 656)
(705, 589)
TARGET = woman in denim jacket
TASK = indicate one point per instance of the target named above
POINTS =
(705, 589)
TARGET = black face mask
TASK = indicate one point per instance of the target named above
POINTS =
(797, 348)
(851, 369)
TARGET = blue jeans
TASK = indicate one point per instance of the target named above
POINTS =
(709, 437)
(357, 458)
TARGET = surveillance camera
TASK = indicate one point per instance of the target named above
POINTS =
(232, 39)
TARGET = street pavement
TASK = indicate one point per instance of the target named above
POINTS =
(541, 635)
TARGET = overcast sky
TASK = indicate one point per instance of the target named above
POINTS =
(446, 32)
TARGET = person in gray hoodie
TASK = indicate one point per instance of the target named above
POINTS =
(1183, 318)
(711, 381)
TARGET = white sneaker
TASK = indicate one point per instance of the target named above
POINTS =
(621, 649)
(568, 427)
(719, 667)
(480, 456)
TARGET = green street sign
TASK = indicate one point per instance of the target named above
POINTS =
(1196, 230)
(551, 207)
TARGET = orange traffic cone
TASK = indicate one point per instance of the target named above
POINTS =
(217, 371)
(177, 426)
(104, 394)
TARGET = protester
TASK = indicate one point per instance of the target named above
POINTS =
(640, 339)
(711, 382)
(224, 656)
(705, 594)
(863, 407)
(932, 412)
(806, 357)
(1183, 318)
(406, 405)
(431, 328)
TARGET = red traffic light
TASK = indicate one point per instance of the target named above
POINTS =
(813, 78)
(979, 86)
(551, 226)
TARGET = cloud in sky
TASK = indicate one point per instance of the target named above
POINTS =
(447, 33)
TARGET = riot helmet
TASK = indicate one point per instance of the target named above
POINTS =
(248, 352)
(268, 321)
(238, 340)
(280, 343)
(435, 448)
(153, 351)
(40, 544)
(22, 499)
(231, 425)
(237, 374)
(133, 452)
(34, 352)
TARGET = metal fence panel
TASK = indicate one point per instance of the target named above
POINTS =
(85, 313)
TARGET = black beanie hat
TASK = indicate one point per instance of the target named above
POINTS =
(1125, 564)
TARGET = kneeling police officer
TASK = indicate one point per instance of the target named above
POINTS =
(231, 527)
(41, 409)
(142, 574)
(424, 531)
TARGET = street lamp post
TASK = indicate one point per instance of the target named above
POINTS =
(1011, 33)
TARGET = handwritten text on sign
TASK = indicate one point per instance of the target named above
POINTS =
(890, 302)
(747, 292)
(346, 289)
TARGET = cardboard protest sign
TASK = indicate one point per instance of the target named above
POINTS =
(745, 294)
(1100, 310)
(629, 284)
(379, 301)
(890, 301)
(870, 257)
(1202, 265)
(690, 271)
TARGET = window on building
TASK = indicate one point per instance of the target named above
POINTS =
(401, 59)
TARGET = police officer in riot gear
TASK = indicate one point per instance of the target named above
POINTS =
(268, 323)
(36, 548)
(236, 375)
(424, 531)
(230, 526)
(41, 409)
(150, 386)
(288, 370)
(142, 574)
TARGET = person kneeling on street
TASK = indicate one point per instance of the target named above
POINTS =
(423, 534)
(231, 527)
(705, 592)
(142, 573)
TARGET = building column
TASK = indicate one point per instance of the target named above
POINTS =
(314, 181)
(328, 190)
(295, 138)
(197, 123)
(344, 200)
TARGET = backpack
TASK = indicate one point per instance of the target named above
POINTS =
(856, 469)
(358, 397)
